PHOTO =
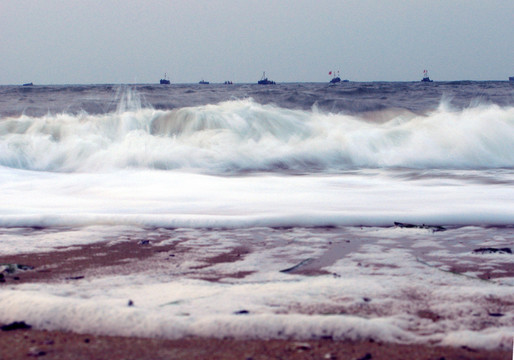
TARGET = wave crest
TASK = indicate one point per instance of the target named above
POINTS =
(242, 135)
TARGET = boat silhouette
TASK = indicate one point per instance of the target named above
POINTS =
(425, 77)
(165, 80)
(264, 80)
(335, 79)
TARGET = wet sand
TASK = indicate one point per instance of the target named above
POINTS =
(138, 254)
(23, 344)
(78, 262)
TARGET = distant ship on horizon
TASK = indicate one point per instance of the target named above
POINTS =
(165, 80)
(335, 79)
(425, 77)
(511, 78)
(264, 80)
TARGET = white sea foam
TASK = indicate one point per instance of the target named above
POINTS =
(243, 135)
(177, 199)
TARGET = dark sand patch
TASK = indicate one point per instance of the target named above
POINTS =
(236, 254)
(128, 256)
(72, 263)
(23, 344)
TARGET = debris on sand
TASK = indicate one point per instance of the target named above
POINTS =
(490, 250)
(17, 325)
(434, 228)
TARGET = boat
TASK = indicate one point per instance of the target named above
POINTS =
(335, 79)
(28, 84)
(425, 77)
(203, 82)
(165, 80)
(265, 81)
(511, 78)
(228, 82)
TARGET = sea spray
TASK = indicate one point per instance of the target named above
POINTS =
(242, 135)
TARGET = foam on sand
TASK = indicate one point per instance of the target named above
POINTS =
(390, 290)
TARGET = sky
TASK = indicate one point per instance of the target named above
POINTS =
(136, 41)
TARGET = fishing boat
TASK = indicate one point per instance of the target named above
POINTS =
(165, 80)
(335, 79)
(265, 81)
(203, 82)
(425, 77)
(511, 78)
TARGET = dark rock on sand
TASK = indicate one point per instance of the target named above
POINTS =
(242, 312)
(15, 326)
(12, 268)
(302, 346)
(75, 277)
(368, 356)
(434, 228)
(491, 250)
(496, 314)
(36, 352)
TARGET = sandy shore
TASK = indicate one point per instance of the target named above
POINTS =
(23, 344)
(75, 263)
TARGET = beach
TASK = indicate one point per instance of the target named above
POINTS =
(80, 263)
(305, 219)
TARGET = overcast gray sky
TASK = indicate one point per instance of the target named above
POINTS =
(129, 41)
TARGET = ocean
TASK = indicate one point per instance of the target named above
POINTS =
(379, 211)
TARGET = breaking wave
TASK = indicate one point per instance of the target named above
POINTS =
(243, 135)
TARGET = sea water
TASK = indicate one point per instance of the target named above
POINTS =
(298, 175)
